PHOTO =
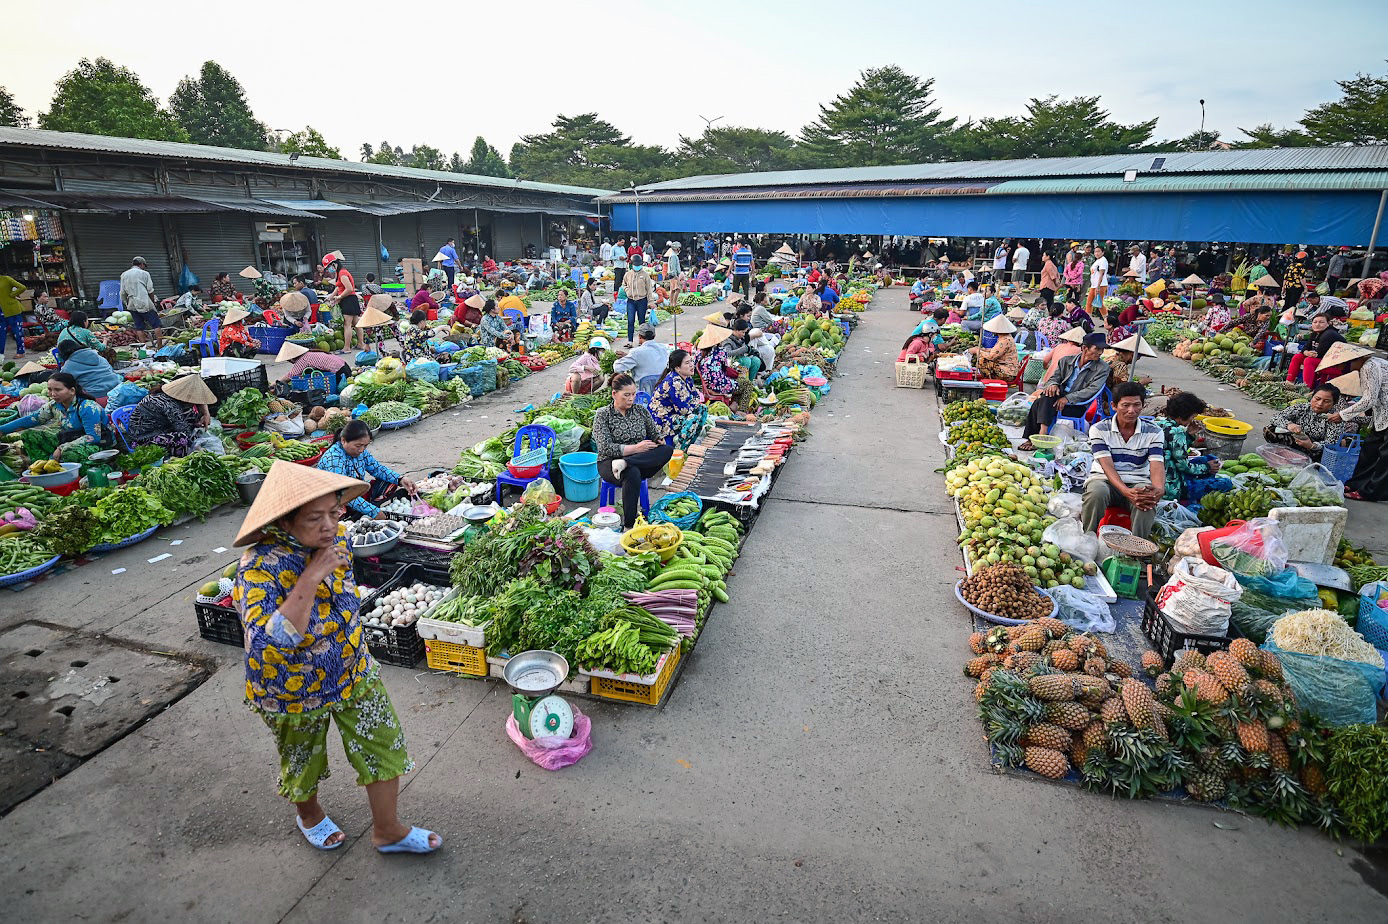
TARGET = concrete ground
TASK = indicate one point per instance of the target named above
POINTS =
(819, 760)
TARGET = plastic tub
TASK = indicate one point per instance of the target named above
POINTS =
(1227, 426)
(995, 390)
(70, 473)
(248, 486)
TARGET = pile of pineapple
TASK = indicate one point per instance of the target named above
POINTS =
(1225, 727)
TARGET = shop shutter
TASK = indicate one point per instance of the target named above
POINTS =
(438, 227)
(507, 236)
(219, 242)
(400, 234)
(353, 233)
(105, 244)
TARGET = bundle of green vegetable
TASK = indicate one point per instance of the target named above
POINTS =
(372, 394)
(191, 485)
(427, 398)
(471, 465)
(69, 530)
(244, 409)
(631, 641)
(391, 411)
(20, 552)
(128, 512)
(138, 458)
(696, 299)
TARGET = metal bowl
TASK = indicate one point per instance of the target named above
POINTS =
(371, 549)
(69, 474)
(480, 513)
(536, 673)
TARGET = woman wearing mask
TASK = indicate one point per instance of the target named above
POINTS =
(629, 443)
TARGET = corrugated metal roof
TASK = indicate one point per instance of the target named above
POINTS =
(1276, 182)
(1367, 157)
(313, 205)
(257, 207)
(835, 191)
(75, 141)
(114, 202)
(11, 199)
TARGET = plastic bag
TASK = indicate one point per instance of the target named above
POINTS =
(30, 403)
(1197, 598)
(123, 395)
(568, 433)
(1248, 479)
(1340, 692)
(1286, 584)
(1314, 486)
(606, 540)
(423, 370)
(1065, 505)
(1188, 543)
(1069, 536)
(1083, 610)
(1013, 412)
(285, 424)
(1373, 618)
(367, 358)
(206, 440)
(1255, 548)
(540, 491)
(555, 753)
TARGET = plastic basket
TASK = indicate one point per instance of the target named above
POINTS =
(460, 659)
(397, 424)
(648, 690)
(125, 543)
(658, 514)
(911, 374)
(220, 624)
(398, 645)
(224, 386)
(1000, 620)
(271, 338)
(1168, 640)
(28, 574)
(1341, 460)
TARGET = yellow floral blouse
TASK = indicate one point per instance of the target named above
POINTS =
(286, 672)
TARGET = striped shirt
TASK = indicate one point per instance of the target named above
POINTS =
(742, 261)
(1132, 458)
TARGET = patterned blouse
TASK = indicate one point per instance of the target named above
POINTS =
(612, 431)
(362, 467)
(1317, 428)
(288, 672)
(226, 290)
(415, 343)
(85, 416)
(675, 397)
(1373, 406)
(236, 333)
(1052, 328)
(711, 372)
(1179, 468)
(159, 414)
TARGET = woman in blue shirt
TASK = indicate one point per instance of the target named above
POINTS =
(78, 418)
(349, 456)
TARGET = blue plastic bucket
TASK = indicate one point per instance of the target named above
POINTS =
(580, 475)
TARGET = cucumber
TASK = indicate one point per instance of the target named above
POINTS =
(681, 573)
(679, 585)
(720, 594)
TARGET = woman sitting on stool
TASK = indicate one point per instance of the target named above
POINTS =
(630, 445)
(349, 456)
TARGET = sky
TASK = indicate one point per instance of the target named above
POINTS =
(441, 74)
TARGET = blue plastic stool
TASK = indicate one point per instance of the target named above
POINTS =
(607, 495)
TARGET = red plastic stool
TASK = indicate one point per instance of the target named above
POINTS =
(1117, 516)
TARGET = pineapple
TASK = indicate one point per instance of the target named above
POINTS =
(1112, 711)
(1277, 752)
(1083, 645)
(1313, 778)
(1093, 697)
(1163, 684)
(1204, 786)
(1152, 663)
(1189, 657)
(1024, 661)
(1246, 653)
(996, 640)
(1053, 627)
(976, 643)
(1046, 735)
(1227, 670)
(1032, 640)
(1121, 668)
(1254, 737)
(1052, 646)
(1138, 703)
(976, 666)
(1064, 659)
(1269, 666)
(1205, 686)
(1068, 715)
(1052, 687)
(1096, 667)
(1047, 762)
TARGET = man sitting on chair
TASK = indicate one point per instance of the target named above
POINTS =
(1073, 382)
(1128, 469)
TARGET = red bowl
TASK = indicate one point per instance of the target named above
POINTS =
(553, 506)
(524, 471)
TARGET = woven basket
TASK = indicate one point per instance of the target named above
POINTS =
(1034, 370)
(911, 374)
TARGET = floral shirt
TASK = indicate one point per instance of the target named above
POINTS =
(711, 372)
(362, 467)
(675, 397)
(414, 343)
(1179, 468)
(226, 290)
(85, 416)
(1216, 316)
(236, 333)
(1052, 328)
(288, 672)
(1317, 428)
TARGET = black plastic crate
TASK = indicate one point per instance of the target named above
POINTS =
(220, 624)
(224, 386)
(1168, 639)
(398, 645)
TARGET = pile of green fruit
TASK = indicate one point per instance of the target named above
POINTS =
(1219, 508)
(1248, 462)
(982, 432)
(977, 409)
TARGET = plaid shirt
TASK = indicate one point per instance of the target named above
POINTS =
(362, 467)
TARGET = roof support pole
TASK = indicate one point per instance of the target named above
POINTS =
(1373, 235)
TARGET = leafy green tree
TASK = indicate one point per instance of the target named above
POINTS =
(1265, 136)
(887, 117)
(732, 149)
(1051, 127)
(212, 109)
(485, 160)
(385, 154)
(100, 98)
(1360, 116)
(425, 157)
(310, 144)
(10, 112)
(566, 152)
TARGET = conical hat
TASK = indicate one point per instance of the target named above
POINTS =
(1130, 274)
(30, 368)
(249, 272)
(190, 389)
(381, 302)
(290, 352)
(287, 488)
(1075, 335)
(294, 303)
(1342, 352)
(373, 317)
(716, 318)
(1134, 345)
(1017, 314)
(1267, 282)
(235, 315)
(712, 336)
(1193, 280)
(1000, 325)
(867, 254)
(1349, 384)
(475, 301)
(439, 257)
(785, 248)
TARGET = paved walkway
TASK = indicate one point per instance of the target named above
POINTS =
(820, 759)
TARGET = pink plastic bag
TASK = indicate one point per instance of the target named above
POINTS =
(555, 753)
(31, 403)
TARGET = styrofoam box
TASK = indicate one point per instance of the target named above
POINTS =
(226, 365)
(1311, 533)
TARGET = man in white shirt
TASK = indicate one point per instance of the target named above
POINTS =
(1000, 263)
(1098, 280)
(137, 297)
(646, 363)
(1020, 258)
(1138, 264)
(605, 251)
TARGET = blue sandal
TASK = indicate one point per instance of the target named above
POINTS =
(417, 841)
(318, 835)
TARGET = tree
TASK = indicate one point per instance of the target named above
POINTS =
(566, 152)
(99, 98)
(10, 112)
(212, 109)
(425, 157)
(732, 149)
(385, 154)
(310, 144)
(1360, 116)
(1196, 141)
(457, 165)
(884, 118)
(1265, 136)
(1052, 128)
(485, 160)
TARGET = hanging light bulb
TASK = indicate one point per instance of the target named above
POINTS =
(28, 216)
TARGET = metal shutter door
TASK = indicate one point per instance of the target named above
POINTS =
(105, 244)
(506, 235)
(353, 233)
(437, 228)
(400, 234)
(219, 242)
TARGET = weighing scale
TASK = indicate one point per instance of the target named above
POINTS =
(1123, 569)
(533, 676)
(98, 473)
(478, 515)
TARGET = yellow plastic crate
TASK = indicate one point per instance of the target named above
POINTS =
(450, 656)
(629, 692)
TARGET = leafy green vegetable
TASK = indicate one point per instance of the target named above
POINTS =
(1357, 777)
(140, 457)
(192, 485)
(244, 409)
(69, 530)
(127, 512)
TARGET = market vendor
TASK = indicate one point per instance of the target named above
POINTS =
(763, 344)
(169, 416)
(646, 362)
(716, 370)
(90, 368)
(1315, 346)
(234, 340)
(761, 313)
(585, 372)
(424, 301)
(1368, 377)
(931, 326)
(563, 314)
(77, 330)
(344, 297)
(296, 309)
(1074, 382)
(493, 329)
(305, 358)
(1257, 324)
(300, 284)
(999, 361)
(1216, 313)
(306, 660)
(469, 311)
(513, 302)
(414, 338)
(630, 445)
(1308, 426)
(1176, 420)
(972, 307)
(348, 455)
(1121, 365)
(1128, 470)
(75, 418)
(590, 306)
(223, 289)
(677, 394)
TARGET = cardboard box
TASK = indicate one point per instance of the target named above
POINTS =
(414, 274)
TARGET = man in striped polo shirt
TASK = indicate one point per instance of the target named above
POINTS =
(742, 268)
(1128, 470)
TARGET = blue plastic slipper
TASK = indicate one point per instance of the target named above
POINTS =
(417, 841)
(318, 835)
